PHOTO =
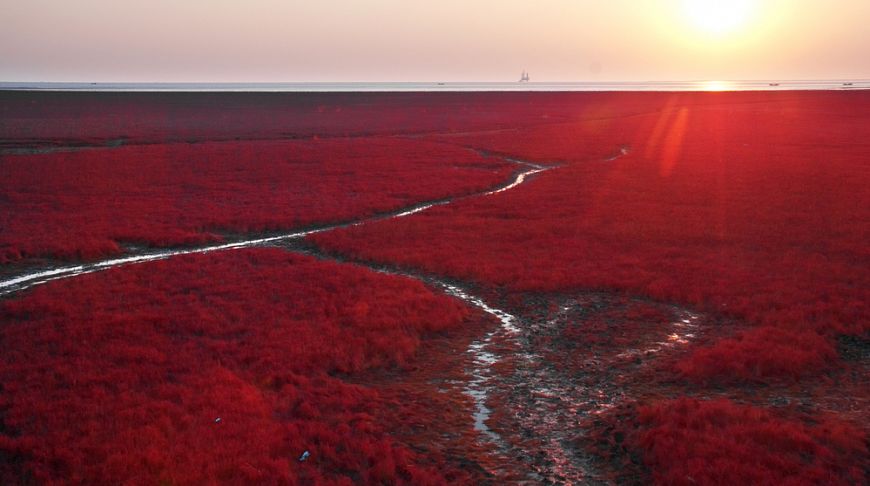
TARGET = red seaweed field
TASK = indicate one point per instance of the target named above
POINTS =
(216, 368)
(88, 203)
(532, 288)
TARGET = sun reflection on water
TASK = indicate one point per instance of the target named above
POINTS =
(717, 86)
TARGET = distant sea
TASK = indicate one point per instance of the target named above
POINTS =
(447, 86)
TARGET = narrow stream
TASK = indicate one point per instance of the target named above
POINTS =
(482, 360)
(34, 278)
(532, 385)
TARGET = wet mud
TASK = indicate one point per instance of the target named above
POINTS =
(540, 382)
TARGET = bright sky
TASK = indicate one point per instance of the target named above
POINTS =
(444, 40)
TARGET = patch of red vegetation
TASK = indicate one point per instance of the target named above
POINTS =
(689, 441)
(759, 354)
(221, 367)
(81, 205)
(752, 205)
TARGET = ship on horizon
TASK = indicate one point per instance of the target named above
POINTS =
(524, 78)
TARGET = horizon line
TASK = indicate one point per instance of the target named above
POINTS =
(435, 86)
(608, 81)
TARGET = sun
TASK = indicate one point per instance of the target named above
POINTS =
(719, 17)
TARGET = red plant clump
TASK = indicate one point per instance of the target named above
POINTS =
(215, 368)
(752, 205)
(759, 354)
(83, 204)
(689, 441)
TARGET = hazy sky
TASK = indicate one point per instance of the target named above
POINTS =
(444, 40)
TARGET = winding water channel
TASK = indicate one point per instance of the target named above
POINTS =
(41, 276)
(539, 385)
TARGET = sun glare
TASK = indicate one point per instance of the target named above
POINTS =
(718, 17)
(716, 86)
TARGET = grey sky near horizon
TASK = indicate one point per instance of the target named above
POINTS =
(447, 40)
